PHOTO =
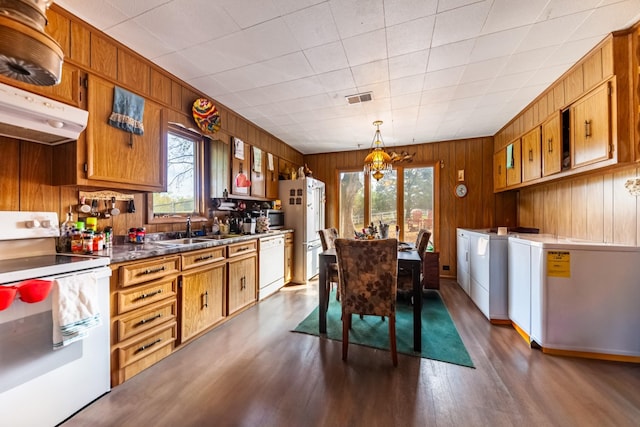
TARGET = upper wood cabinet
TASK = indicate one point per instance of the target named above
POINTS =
(531, 158)
(514, 163)
(119, 159)
(272, 180)
(552, 145)
(500, 170)
(591, 127)
(219, 156)
(258, 169)
(240, 168)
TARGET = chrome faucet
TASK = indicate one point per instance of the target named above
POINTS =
(188, 233)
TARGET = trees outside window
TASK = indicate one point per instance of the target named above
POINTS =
(184, 177)
(411, 212)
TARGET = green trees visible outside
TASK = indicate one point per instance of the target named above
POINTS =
(417, 201)
(180, 194)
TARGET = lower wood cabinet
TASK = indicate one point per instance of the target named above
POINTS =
(243, 281)
(203, 299)
(163, 302)
(288, 257)
(143, 314)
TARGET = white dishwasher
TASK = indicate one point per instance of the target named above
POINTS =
(271, 260)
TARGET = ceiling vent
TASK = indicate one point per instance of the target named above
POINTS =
(27, 53)
(360, 97)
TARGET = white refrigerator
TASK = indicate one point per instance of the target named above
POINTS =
(303, 203)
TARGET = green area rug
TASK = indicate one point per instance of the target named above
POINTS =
(440, 339)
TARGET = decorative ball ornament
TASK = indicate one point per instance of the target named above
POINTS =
(206, 116)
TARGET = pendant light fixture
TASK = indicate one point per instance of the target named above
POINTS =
(377, 161)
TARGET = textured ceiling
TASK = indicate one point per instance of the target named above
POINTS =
(437, 69)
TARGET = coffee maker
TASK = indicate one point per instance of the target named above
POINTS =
(249, 225)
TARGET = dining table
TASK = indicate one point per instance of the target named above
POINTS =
(408, 260)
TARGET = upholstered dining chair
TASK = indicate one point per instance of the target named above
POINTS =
(327, 238)
(405, 280)
(368, 271)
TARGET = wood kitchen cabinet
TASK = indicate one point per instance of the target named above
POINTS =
(143, 315)
(591, 127)
(120, 158)
(531, 158)
(271, 179)
(243, 274)
(202, 290)
(240, 167)
(288, 257)
(514, 163)
(258, 169)
(552, 147)
(500, 170)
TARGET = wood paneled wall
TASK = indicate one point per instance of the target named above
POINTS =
(596, 207)
(480, 208)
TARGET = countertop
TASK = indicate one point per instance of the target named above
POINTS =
(155, 247)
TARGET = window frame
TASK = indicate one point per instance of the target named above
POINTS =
(201, 185)
(399, 169)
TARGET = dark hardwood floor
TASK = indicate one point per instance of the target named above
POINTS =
(252, 371)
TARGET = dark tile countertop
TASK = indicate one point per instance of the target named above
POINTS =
(158, 244)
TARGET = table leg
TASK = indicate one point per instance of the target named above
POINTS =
(417, 307)
(322, 291)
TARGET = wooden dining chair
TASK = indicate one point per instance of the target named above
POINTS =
(328, 237)
(405, 279)
(368, 271)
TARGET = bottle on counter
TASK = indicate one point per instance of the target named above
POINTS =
(66, 229)
(108, 236)
(87, 241)
(132, 235)
(76, 241)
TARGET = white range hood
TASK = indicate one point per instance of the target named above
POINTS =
(31, 117)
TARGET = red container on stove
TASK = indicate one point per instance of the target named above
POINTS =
(34, 290)
(7, 295)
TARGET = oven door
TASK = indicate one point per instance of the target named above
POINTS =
(58, 382)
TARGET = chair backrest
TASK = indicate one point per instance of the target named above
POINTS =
(423, 242)
(368, 272)
(327, 237)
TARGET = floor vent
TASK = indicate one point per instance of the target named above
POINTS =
(360, 97)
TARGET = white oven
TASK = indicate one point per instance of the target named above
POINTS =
(40, 386)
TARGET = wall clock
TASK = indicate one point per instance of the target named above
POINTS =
(461, 190)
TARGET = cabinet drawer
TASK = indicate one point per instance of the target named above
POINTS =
(238, 249)
(145, 319)
(130, 299)
(203, 257)
(133, 274)
(147, 344)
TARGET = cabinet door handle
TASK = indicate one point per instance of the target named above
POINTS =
(146, 346)
(150, 319)
(152, 270)
(204, 257)
(243, 282)
(244, 248)
(205, 297)
(587, 128)
(550, 145)
(530, 154)
(150, 294)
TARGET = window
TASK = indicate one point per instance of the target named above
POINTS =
(418, 201)
(184, 177)
(364, 200)
(351, 215)
(384, 201)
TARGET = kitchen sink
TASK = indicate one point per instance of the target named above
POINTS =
(175, 242)
(219, 236)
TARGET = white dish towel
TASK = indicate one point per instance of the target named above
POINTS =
(74, 306)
